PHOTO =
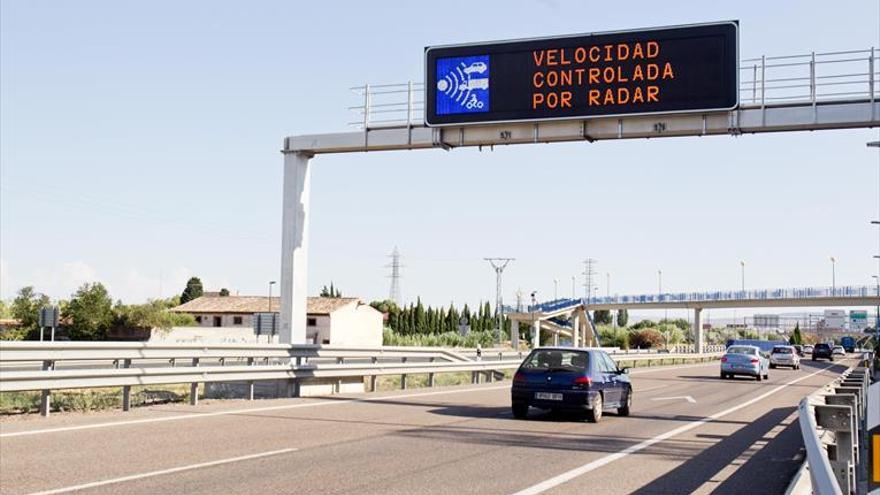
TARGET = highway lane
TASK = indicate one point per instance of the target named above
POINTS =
(459, 440)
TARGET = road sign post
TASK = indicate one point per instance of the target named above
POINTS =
(49, 317)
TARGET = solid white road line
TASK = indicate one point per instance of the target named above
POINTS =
(197, 415)
(161, 472)
(593, 465)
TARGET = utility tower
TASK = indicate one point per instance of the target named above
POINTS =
(395, 266)
(499, 264)
(589, 274)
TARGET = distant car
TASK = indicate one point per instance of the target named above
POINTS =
(785, 355)
(838, 350)
(823, 351)
(808, 349)
(570, 379)
(746, 360)
(800, 350)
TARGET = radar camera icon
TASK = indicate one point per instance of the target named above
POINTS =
(462, 85)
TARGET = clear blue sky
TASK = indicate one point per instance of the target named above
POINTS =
(140, 146)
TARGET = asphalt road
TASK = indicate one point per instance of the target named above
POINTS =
(733, 436)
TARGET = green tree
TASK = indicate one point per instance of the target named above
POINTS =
(796, 337)
(192, 291)
(602, 317)
(153, 314)
(26, 307)
(90, 312)
(224, 292)
(622, 317)
(331, 291)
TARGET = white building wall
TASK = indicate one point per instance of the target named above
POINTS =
(356, 324)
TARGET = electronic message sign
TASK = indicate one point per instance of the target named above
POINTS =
(663, 70)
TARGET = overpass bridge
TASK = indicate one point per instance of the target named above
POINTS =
(554, 316)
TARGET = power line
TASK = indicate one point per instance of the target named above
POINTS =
(394, 293)
(589, 274)
(499, 264)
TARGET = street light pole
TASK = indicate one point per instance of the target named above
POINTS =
(742, 265)
(271, 283)
(555, 289)
(833, 276)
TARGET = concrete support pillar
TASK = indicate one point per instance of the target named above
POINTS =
(294, 248)
(556, 337)
(575, 330)
(536, 334)
(698, 330)
(514, 334)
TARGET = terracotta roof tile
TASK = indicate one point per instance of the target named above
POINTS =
(259, 304)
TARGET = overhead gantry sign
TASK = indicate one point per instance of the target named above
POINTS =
(665, 70)
(664, 82)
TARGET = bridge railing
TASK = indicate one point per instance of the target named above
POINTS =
(853, 291)
(765, 81)
(830, 421)
(136, 364)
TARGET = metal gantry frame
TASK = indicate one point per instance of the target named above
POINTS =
(816, 91)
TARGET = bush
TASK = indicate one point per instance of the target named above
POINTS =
(446, 339)
(613, 337)
(646, 339)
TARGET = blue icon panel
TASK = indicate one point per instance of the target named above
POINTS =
(462, 85)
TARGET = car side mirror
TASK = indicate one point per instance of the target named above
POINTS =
(623, 371)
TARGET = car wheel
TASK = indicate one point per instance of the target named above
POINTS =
(813, 358)
(520, 411)
(624, 411)
(759, 377)
(723, 376)
(772, 366)
(766, 376)
(594, 415)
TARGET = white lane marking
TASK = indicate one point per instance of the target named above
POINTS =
(593, 465)
(685, 397)
(161, 472)
(280, 407)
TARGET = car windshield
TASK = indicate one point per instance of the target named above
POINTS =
(557, 360)
(822, 346)
(735, 349)
(782, 350)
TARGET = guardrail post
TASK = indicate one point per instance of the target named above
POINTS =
(46, 395)
(194, 387)
(403, 376)
(250, 383)
(431, 376)
(839, 419)
(338, 385)
(373, 378)
(126, 390)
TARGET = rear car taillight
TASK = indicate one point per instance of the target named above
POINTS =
(753, 361)
(519, 378)
(582, 382)
(724, 359)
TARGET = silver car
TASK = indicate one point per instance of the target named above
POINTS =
(745, 360)
(785, 355)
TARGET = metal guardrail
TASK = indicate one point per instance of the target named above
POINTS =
(830, 420)
(263, 362)
(811, 78)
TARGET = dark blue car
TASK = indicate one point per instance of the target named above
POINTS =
(570, 379)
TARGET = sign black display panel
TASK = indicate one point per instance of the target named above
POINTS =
(663, 70)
